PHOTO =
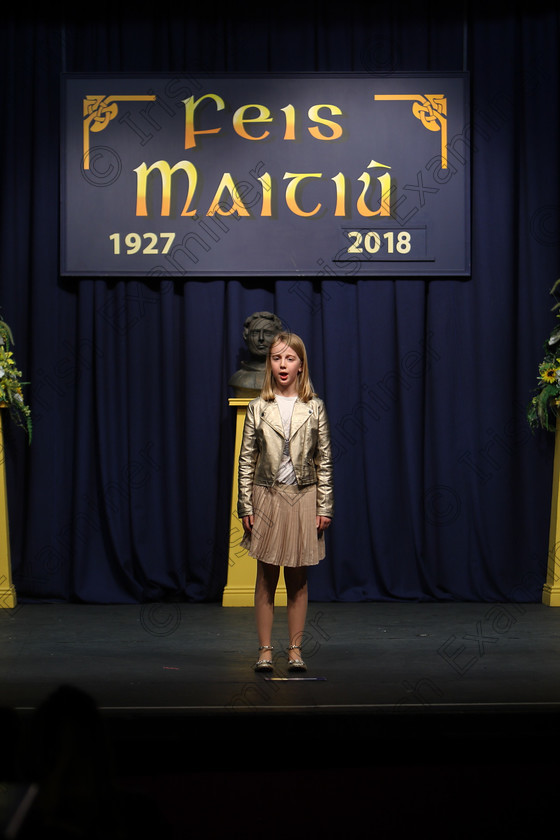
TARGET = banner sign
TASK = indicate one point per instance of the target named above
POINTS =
(327, 175)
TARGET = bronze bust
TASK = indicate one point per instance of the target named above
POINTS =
(258, 331)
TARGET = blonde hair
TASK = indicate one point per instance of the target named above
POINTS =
(305, 386)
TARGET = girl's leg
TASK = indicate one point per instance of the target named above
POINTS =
(265, 590)
(296, 591)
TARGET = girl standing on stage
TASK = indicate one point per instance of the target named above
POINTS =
(285, 490)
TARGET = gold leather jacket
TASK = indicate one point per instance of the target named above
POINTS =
(263, 443)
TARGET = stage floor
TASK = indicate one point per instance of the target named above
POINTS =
(441, 700)
(367, 658)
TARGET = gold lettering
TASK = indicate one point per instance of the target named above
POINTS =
(219, 205)
(385, 201)
(290, 132)
(166, 173)
(334, 126)
(291, 200)
(190, 107)
(266, 182)
(239, 120)
(340, 182)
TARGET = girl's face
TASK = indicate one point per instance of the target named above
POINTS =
(285, 365)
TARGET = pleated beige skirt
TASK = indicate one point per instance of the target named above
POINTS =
(285, 526)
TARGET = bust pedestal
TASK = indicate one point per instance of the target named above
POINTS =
(240, 587)
(7, 589)
(551, 589)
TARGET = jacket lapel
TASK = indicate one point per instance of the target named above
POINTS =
(271, 415)
(302, 413)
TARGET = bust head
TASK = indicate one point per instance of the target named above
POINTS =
(259, 330)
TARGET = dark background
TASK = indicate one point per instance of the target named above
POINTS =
(442, 492)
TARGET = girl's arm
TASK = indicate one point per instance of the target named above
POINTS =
(247, 462)
(323, 523)
(324, 468)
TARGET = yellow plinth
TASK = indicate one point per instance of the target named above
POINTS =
(240, 587)
(7, 589)
(551, 589)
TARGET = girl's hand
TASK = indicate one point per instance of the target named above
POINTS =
(323, 523)
(248, 523)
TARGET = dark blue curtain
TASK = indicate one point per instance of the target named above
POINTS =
(442, 493)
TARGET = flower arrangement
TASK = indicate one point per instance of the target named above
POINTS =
(11, 393)
(545, 404)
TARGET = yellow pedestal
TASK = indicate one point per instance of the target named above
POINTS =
(7, 589)
(551, 589)
(240, 587)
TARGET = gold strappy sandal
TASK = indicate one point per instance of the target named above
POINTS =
(296, 664)
(264, 664)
